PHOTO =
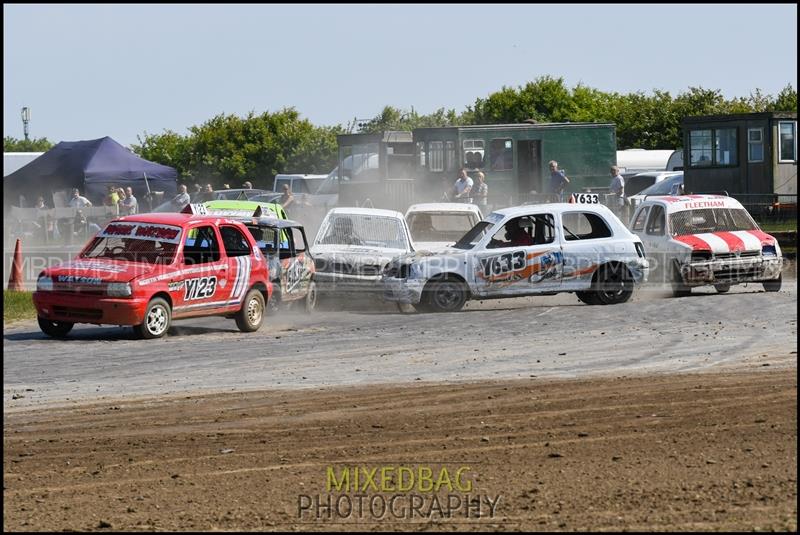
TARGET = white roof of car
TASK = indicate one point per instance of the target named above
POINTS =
(656, 174)
(366, 211)
(443, 207)
(678, 203)
(514, 211)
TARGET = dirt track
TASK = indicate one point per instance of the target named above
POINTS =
(695, 451)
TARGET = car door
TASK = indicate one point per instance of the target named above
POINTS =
(239, 259)
(296, 265)
(587, 243)
(203, 277)
(522, 257)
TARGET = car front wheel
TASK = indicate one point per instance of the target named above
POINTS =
(311, 297)
(773, 285)
(157, 319)
(446, 295)
(249, 318)
(722, 288)
(56, 329)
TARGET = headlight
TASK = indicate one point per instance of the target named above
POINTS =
(44, 284)
(768, 250)
(119, 289)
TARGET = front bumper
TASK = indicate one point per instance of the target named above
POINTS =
(328, 282)
(408, 291)
(731, 271)
(58, 306)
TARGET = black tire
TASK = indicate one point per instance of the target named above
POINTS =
(722, 287)
(310, 302)
(56, 329)
(614, 285)
(773, 285)
(157, 319)
(678, 288)
(447, 295)
(251, 315)
(588, 297)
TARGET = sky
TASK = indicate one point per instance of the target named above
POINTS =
(89, 71)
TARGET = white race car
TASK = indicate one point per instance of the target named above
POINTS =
(696, 240)
(354, 245)
(436, 226)
(525, 250)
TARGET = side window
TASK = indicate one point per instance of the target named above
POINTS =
(502, 154)
(524, 231)
(299, 242)
(450, 155)
(584, 226)
(656, 222)
(436, 151)
(787, 145)
(641, 217)
(473, 153)
(234, 241)
(265, 237)
(201, 246)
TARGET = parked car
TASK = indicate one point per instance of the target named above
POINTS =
(697, 240)
(298, 183)
(436, 226)
(240, 208)
(641, 181)
(354, 245)
(148, 269)
(525, 250)
(669, 186)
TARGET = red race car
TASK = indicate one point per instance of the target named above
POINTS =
(145, 270)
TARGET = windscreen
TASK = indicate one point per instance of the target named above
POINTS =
(364, 230)
(710, 220)
(664, 187)
(433, 227)
(473, 236)
(135, 242)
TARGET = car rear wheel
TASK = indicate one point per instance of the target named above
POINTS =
(157, 319)
(773, 285)
(56, 329)
(614, 285)
(311, 297)
(722, 288)
(590, 298)
(446, 295)
(251, 315)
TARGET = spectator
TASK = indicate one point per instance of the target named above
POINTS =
(195, 196)
(226, 186)
(247, 185)
(181, 199)
(208, 193)
(617, 189)
(129, 205)
(287, 197)
(78, 200)
(112, 196)
(82, 226)
(40, 204)
(483, 191)
(558, 181)
(463, 187)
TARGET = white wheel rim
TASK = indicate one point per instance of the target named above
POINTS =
(254, 311)
(157, 320)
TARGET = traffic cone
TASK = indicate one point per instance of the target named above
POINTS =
(15, 280)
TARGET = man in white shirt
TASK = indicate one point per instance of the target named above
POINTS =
(78, 201)
(463, 187)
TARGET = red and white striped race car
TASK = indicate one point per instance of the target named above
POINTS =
(696, 240)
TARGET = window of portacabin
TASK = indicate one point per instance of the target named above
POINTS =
(755, 145)
(713, 147)
(787, 144)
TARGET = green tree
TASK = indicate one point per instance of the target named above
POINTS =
(11, 144)
(786, 100)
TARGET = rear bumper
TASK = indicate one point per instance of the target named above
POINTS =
(736, 271)
(89, 309)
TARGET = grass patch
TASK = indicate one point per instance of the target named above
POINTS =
(18, 306)
(775, 226)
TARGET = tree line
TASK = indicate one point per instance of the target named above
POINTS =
(231, 149)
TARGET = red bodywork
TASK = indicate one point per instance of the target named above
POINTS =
(214, 287)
